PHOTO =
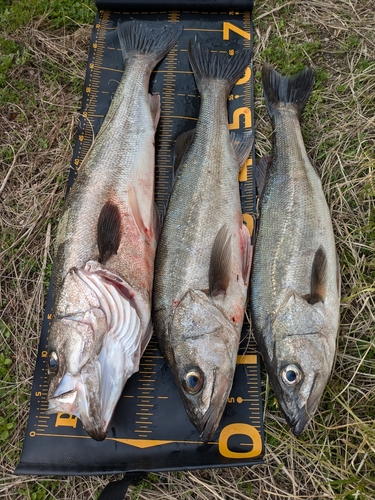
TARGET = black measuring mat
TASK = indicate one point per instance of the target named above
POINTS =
(150, 430)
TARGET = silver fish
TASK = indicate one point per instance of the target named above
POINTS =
(204, 253)
(295, 282)
(106, 243)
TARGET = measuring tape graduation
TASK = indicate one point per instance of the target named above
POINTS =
(150, 429)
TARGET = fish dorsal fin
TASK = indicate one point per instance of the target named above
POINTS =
(182, 143)
(260, 172)
(109, 231)
(219, 271)
(318, 277)
(154, 103)
(242, 143)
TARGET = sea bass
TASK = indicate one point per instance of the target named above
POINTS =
(203, 258)
(105, 246)
(295, 282)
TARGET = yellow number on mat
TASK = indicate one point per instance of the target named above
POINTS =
(246, 113)
(245, 78)
(240, 429)
(66, 420)
(227, 27)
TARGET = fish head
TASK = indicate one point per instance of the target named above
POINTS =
(73, 365)
(301, 359)
(93, 348)
(203, 351)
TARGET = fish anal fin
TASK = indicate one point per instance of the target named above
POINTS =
(219, 270)
(154, 103)
(318, 277)
(242, 143)
(109, 231)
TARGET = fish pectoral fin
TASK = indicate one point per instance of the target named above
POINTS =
(219, 270)
(318, 278)
(154, 103)
(182, 143)
(109, 231)
(242, 143)
(261, 171)
(247, 255)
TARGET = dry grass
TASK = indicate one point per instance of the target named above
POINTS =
(335, 457)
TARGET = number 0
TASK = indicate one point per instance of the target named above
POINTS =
(244, 429)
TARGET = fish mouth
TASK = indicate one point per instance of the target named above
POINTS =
(74, 397)
(305, 414)
(209, 423)
(69, 402)
(299, 423)
(97, 433)
(211, 419)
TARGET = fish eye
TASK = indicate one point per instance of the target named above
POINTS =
(53, 363)
(193, 381)
(291, 375)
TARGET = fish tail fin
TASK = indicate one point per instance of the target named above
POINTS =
(137, 37)
(215, 65)
(294, 89)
